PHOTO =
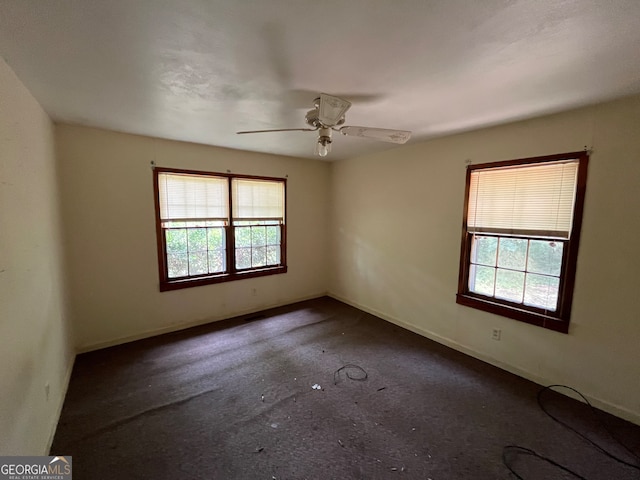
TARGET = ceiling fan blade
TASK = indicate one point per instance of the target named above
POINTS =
(332, 109)
(280, 130)
(383, 134)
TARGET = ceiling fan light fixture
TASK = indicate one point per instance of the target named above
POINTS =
(323, 146)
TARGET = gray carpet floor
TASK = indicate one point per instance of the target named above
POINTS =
(235, 400)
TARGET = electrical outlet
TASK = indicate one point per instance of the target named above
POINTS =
(47, 388)
(254, 291)
(496, 333)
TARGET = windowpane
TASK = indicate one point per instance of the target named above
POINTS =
(177, 265)
(173, 224)
(243, 258)
(198, 263)
(273, 235)
(258, 236)
(512, 253)
(215, 238)
(484, 250)
(243, 236)
(197, 223)
(543, 265)
(273, 255)
(545, 257)
(482, 280)
(176, 241)
(542, 291)
(197, 239)
(217, 261)
(509, 285)
(259, 257)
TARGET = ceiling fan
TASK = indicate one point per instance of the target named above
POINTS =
(328, 116)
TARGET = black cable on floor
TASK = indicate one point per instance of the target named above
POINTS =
(527, 451)
(533, 453)
(600, 422)
(360, 378)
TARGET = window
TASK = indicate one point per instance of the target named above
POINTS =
(520, 236)
(215, 227)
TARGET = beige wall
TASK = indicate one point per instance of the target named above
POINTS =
(35, 347)
(108, 204)
(396, 223)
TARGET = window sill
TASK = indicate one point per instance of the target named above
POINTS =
(227, 277)
(527, 316)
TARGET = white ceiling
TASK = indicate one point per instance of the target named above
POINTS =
(200, 70)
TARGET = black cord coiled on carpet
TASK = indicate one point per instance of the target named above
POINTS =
(527, 451)
(346, 368)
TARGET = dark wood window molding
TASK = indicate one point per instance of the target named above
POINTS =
(475, 276)
(218, 227)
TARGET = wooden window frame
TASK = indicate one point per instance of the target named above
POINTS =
(232, 274)
(558, 320)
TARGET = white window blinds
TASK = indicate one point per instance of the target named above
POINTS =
(193, 197)
(523, 200)
(258, 199)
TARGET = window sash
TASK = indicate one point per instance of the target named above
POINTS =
(192, 197)
(257, 199)
(532, 265)
(528, 200)
(186, 261)
(258, 246)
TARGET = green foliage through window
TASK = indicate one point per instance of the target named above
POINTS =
(519, 270)
(195, 250)
(257, 245)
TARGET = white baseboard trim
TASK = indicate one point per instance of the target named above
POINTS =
(183, 326)
(616, 410)
(61, 398)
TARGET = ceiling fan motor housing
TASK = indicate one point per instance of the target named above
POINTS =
(313, 120)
